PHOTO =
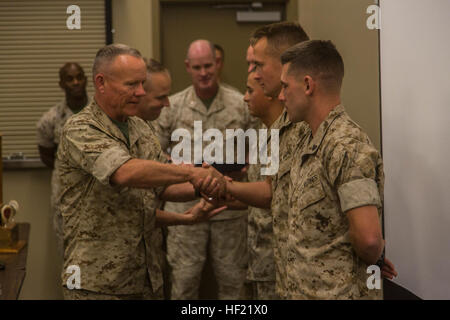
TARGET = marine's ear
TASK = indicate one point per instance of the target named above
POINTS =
(99, 82)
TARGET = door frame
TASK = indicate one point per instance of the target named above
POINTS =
(291, 15)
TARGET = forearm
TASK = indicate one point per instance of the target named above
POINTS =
(368, 252)
(234, 205)
(140, 173)
(365, 233)
(166, 218)
(181, 192)
(256, 194)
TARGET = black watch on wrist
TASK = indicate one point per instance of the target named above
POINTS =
(380, 261)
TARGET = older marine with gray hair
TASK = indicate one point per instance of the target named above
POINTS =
(111, 172)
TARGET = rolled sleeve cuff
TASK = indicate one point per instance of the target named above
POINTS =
(108, 162)
(359, 193)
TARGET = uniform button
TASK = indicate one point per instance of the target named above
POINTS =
(314, 147)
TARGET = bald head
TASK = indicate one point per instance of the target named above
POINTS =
(201, 64)
(200, 48)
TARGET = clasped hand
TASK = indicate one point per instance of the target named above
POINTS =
(209, 182)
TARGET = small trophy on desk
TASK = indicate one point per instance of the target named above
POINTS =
(9, 231)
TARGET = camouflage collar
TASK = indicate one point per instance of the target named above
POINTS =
(316, 140)
(63, 108)
(107, 126)
(194, 102)
(281, 122)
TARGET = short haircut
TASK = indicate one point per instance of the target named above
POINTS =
(66, 66)
(319, 58)
(108, 53)
(219, 48)
(154, 66)
(280, 36)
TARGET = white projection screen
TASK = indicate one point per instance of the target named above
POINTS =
(415, 97)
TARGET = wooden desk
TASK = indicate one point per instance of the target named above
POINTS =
(11, 279)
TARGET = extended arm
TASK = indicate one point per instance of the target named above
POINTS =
(149, 174)
(201, 212)
(256, 194)
(181, 192)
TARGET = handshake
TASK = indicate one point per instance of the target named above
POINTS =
(208, 182)
(211, 185)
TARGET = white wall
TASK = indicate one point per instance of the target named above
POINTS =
(415, 87)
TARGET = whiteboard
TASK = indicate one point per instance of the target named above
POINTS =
(415, 105)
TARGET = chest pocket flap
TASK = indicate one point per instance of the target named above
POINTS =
(285, 168)
(311, 191)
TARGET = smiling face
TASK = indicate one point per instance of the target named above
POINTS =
(122, 85)
(258, 103)
(293, 95)
(202, 66)
(268, 68)
(157, 88)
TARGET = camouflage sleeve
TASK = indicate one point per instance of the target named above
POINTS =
(352, 169)
(93, 151)
(163, 159)
(45, 130)
(161, 156)
(163, 126)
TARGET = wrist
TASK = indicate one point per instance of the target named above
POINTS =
(229, 187)
(380, 261)
(189, 174)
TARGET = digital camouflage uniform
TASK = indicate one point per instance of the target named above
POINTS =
(291, 136)
(224, 236)
(109, 231)
(229, 86)
(49, 128)
(335, 171)
(261, 264)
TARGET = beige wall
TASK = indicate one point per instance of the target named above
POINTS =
(132, 24)
(344, 22)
